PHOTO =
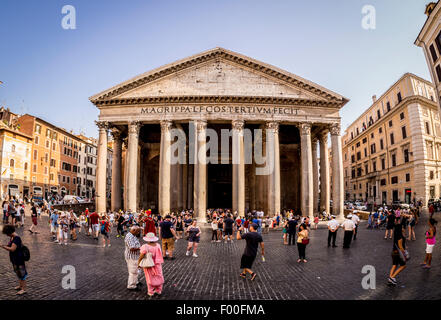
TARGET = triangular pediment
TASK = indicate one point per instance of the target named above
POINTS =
(219, 72)
(217, 78)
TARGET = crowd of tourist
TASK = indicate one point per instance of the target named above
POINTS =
(161, 233)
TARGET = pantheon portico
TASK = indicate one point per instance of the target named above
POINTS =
(202, 97)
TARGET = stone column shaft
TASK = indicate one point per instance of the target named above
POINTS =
(200, 172)
(324, 174)
(307, 174)
(337, 173)
(185, 185)
(101, 199)
(116, 171)
(165, 168)
(315, 177)
(273, 163)
(238, 168)
(179, 186)
(132, 166)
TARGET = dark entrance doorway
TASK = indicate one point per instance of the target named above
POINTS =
(219, 184)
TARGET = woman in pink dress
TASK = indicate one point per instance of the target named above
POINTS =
(153, 275)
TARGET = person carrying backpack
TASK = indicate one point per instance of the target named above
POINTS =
(18, 254)
(105, 230)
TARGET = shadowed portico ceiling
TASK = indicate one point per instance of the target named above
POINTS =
(219, 76)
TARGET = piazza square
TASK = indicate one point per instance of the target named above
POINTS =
(218, 180)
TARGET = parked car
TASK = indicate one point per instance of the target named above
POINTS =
(72, 199)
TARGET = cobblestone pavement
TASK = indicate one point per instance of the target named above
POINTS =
(331, 273)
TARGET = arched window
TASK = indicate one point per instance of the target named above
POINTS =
(13, 148)
(11, 163)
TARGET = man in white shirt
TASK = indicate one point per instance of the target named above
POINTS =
(349, 228)
(356, 220)
(333, 226)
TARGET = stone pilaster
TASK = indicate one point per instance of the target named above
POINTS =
(324, 173)
(132, 166)
(238, 168)
(165, 168)
(101, 199)
(307, 171)
(337, 172)
(115, 202)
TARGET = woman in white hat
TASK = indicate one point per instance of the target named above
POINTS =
(64, 228)
(153, 275)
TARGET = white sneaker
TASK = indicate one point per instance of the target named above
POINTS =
(187, 253)
(195, 255)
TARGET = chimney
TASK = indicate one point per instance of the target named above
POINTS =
(374, 98)
(429, 8)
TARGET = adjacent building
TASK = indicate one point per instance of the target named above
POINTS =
(88, 166)
(392, 152)
(429, 39)
(15, 151)
(61, 163)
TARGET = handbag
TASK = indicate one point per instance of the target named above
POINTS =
(406, 254)
(147, 261)
(305, 241)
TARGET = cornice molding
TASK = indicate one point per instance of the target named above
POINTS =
(219, 99)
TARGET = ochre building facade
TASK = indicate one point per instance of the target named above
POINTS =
(392, 152)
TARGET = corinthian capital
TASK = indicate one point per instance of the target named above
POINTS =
(201, 125)
(134, 127)
(102, 125)
(116, 133)
(305, 128)
(238, 124)
(323, 137)
(335, 129)
(166, 125)
(273, 125)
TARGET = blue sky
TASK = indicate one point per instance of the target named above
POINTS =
(51, 72)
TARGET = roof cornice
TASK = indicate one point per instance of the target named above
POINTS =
(428, 23)
(218, 99)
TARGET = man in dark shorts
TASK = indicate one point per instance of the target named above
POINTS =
(34, 216)
(228, 228)
(249, 255)
(398, 258)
